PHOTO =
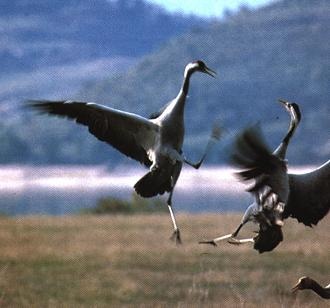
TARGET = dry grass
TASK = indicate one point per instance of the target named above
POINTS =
(94, 261)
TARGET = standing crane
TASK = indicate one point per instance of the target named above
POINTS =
(278, 195)
(155, 142)
(309, 283)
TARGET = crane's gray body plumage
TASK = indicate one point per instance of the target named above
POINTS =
(278, 194)
(309, 193)
(155, 142)
(305, 197)
(269, 172)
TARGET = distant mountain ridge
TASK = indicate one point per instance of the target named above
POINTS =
(35, 32)
(49, 49)
(278, 51)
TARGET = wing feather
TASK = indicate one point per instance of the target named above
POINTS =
(309, 198)
(252, 154)
(258, 163)
(129, 133)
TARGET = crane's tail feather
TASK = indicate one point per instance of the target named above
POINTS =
(268, 238)
(155, 182)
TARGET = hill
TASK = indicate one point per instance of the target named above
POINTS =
(278, 51)
(67, 31)
(49, 48)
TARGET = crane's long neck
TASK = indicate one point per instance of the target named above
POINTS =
(181, 97)
(323, 292)
(186, 82)
(281, 149)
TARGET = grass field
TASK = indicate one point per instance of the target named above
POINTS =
(91, 261)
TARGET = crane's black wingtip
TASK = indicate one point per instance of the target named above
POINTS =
(34, 103)
(41, 106)
(29, 103)
(47, 106)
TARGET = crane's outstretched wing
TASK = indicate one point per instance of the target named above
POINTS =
(129, 133)
(309, 199)
(252, 154)
(269, 172)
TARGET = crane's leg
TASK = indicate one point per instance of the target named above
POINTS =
(236, 241)
(224, 237)
(214, 137)
(176, 172)
(176, 233)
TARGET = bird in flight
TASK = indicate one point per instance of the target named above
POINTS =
(278, 194)
(156, 142)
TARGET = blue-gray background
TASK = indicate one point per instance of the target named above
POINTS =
(131, 55)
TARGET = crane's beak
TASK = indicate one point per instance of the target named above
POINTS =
(296, 287)
(285, 103)
(210, 72)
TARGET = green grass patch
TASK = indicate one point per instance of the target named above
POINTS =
(136, 205)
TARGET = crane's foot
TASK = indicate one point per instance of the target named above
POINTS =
(279, 222)
(176, 237)
(211, 242)
(217, 239)
(235, 241)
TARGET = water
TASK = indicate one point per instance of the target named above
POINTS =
(62, 190)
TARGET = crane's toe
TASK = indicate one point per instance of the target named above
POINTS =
(211, 242)
(176, 237)
(234, 241)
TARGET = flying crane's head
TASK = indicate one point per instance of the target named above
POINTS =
(199, 66)
(293, 109)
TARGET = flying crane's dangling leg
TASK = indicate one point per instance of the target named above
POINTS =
(230, 236)
(249, 215)
(214, 137)
(236, 241)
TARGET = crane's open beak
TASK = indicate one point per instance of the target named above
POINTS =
(210, 72)
(285, 103)
(296, 287)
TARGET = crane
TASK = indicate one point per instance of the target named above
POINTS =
(155, 142)
(266, 200)
(278, 194)
(309, 283)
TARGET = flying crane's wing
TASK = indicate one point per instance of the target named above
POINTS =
(129, 133)
(258, 163)
(309, 199)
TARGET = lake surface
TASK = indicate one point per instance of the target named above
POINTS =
(62, 190)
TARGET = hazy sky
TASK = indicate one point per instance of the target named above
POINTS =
(206, 7)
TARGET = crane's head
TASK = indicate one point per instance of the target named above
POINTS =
(293, 109)
(199, 66)
(303, 283)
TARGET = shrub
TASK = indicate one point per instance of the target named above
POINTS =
(137, 204)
